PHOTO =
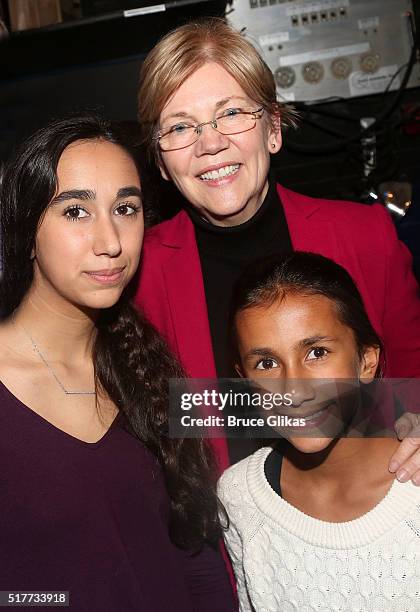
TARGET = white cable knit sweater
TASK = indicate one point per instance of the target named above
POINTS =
(285, 560)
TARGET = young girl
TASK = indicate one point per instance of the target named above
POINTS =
(321, 525)
(96, 500)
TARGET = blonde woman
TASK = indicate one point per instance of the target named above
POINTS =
(211, 119)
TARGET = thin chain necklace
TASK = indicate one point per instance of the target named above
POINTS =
(47, 365)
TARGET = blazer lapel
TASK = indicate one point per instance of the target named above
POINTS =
(187, 300)
(313, 229)
(310, 229)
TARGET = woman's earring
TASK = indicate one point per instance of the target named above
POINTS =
(274, 145)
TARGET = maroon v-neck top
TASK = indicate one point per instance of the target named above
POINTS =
(92, 519)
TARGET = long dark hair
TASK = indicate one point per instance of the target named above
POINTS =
(132, 362)
(271, 278)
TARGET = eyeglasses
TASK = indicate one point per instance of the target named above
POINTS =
(184, 134)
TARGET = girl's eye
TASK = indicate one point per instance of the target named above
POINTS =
(74, 213)
(318, 353)
(268, 363)
(125, 210)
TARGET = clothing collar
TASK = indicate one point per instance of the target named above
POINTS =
(180, 228)
(270, 201)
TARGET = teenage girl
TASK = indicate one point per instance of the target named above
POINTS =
(96, 499)
(321, 525)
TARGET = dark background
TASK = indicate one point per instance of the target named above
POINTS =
(94, 62)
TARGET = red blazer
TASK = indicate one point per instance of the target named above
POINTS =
(361, 238)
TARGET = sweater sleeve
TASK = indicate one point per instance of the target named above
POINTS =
(234, 548)
(208, 582)
(232, 493)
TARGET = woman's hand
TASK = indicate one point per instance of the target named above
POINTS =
(405, 462)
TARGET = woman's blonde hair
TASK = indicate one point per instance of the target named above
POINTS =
(183, 51)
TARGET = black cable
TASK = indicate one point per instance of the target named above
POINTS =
(337, 147)
(322, 128)
(313, 108)
(310, 108)
(394, 76)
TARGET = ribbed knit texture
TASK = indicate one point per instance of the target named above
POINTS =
(285, 560)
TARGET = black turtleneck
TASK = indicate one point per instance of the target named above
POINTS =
(224, 254)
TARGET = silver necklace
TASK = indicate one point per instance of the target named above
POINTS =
(47, 365)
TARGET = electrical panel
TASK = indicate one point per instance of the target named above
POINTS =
(331, 48)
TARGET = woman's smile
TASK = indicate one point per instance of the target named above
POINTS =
(224, 176)
(219, 174)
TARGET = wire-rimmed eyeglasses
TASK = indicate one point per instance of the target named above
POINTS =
(229, 122)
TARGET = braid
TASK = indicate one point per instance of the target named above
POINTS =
(133, 365)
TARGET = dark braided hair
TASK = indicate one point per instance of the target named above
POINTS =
(132, 362)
